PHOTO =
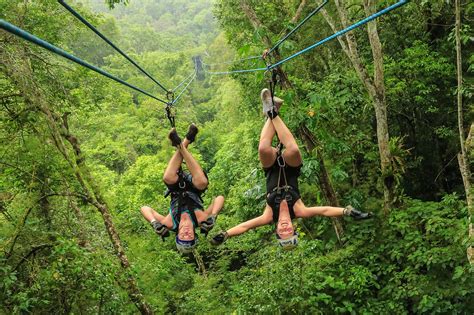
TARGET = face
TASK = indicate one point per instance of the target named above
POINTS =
(285, 229)
(186, 228)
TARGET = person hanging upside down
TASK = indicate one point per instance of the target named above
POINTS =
(282, 170)
(186, 207)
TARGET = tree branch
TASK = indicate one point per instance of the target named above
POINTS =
(297, 15)
(33, 250)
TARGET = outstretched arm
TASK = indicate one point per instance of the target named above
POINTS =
(264, 219)
(151, 215)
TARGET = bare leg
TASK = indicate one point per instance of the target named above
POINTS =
(301, 211)
(171, 173)
(199, 179)
(292, 153)
(266, 153)
(216, 206)
(149, 214)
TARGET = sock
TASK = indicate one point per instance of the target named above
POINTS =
(347, 211)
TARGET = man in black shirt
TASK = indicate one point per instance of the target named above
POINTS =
(282, 169)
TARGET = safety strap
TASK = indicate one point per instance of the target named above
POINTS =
(184, 200)
(281, 164)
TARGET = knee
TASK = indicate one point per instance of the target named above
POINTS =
(169, 179)
(219, 200)
(265, 150)
(145, 209)
(292, 150)
(200, 182)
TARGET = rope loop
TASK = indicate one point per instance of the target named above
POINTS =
(170, 96)
(281, 161)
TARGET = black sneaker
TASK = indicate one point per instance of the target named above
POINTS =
(160, 229)
(175, 139)
(192, 132)
(220, 238)
(356, 214)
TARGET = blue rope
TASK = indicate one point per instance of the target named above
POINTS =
(90, 26)
(342, 32)
(298, 26)
(38, 41)
(184, 89)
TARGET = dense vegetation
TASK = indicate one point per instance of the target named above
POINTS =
(56, 255)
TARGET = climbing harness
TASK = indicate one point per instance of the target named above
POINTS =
(185, 202)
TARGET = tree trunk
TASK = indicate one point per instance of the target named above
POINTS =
(462, 156)
(470, 248)
(323, 178)
(375, 88)
(20, 72)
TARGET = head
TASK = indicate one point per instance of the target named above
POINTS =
(286, 235)
(185, 238)
(285, 232)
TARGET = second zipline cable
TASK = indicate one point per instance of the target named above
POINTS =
(42, 43)
(95, 30)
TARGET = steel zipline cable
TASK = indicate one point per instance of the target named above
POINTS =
(33, 39)
(342, 32)
(182, 82)
(319, 43)
(44, 44)
(275, 46)
(185, 88)
(95, 30)
(298, 26)
(231, 62)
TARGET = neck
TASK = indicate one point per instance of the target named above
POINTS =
(185, 222)
(284, 211)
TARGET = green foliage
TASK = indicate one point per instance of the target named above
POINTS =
(56, 256)
(411, 262)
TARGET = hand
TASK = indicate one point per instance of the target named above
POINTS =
(265, 53)
(219, 238)
(207, 225)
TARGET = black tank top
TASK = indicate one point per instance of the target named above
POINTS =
(275, 197)
(292, 174)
